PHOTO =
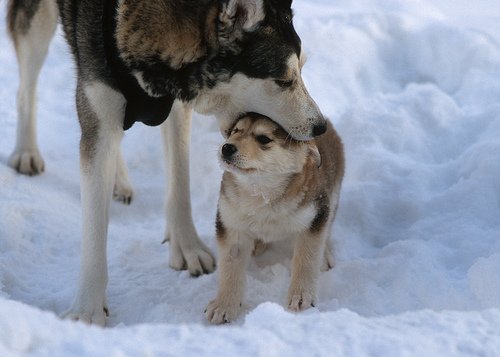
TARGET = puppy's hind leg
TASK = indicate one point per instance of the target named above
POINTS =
(122, 191)
(31, 26)
(101, 111)
(186, 249)
(328, 259)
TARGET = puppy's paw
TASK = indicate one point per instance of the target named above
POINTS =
(123, 192)
(27, 162)
(190, 254)
(219, 312)
(93, 316)
(300, 301)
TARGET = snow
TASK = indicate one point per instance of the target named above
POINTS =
(413, 89)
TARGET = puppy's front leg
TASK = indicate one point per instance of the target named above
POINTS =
(306, 264)
(234, 252)
(100, 110)
(186, 250)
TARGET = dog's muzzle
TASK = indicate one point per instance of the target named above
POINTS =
(319, 129)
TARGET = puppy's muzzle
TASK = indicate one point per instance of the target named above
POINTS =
(228, 150)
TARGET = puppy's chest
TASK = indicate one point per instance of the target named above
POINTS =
(268, 221)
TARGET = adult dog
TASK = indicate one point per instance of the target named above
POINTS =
(146, 60)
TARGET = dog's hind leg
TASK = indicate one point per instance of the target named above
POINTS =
(186, 249)
(101, 112)
(31, 25)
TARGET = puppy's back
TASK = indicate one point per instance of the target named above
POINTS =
(331, 150)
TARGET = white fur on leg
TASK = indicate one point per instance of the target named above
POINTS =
(31, 50)
(306, 263)
(234, 252)
(186, 249)
(98, 171)
(122, 191)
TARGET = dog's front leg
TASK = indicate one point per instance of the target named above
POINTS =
(186, 249)
(31, 44)
(100, 110)
(234, 251)
(306, 264)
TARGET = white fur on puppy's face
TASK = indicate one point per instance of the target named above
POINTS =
(263, 149)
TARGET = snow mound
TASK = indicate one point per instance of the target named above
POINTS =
(268, 330)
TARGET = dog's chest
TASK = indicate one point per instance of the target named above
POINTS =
(268, 222)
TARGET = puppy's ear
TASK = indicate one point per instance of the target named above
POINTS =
(226, 132)
(240, 15)
(314, 152)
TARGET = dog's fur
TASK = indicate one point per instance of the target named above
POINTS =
(275, 188)
(144, 60)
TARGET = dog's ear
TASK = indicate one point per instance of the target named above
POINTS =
(240, 15)
(314, 152)
(285, 3)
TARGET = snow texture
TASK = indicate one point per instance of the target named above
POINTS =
(413, 88)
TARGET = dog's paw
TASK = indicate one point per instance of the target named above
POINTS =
(300, 301)
(123, 193)
(218, 312)
(191, 255)
(27, 162)
(95, 316)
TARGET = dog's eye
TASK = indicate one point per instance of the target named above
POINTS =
(262, 139)
(284, 84)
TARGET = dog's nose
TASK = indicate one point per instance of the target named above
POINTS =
(319, 129)
(228, 150)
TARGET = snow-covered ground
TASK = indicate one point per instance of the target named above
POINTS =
(413, 88)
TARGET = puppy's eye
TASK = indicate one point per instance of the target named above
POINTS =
(262, 139)
(284, 84)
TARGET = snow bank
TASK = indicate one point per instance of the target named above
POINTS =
(414, 91)
(268, 331)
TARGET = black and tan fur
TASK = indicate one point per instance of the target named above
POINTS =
(144, 61)
(275, 188)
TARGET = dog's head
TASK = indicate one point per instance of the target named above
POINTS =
(258, 148)
(258, 69)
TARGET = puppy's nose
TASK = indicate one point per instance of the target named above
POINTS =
(228, 150)
(319, 129)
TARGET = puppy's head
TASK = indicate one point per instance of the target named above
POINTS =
(257, 146)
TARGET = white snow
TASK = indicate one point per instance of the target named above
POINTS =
(413, 88)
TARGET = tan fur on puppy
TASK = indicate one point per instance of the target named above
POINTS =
(275, 188)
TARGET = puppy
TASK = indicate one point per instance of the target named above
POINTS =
(274, 188)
